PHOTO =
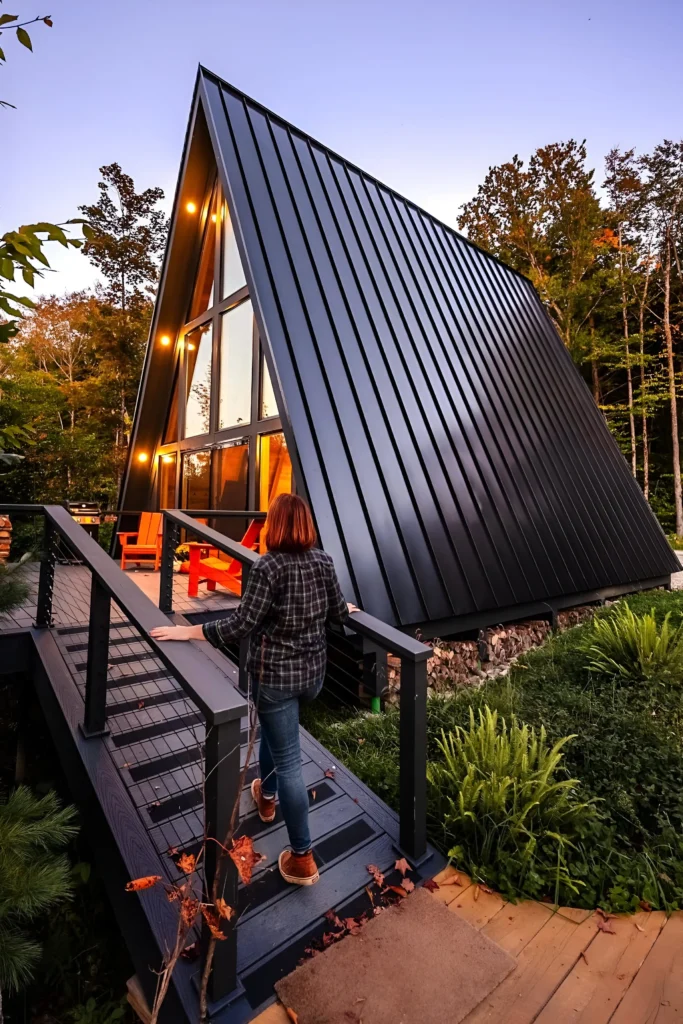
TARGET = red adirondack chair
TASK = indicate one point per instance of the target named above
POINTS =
(207, 567)
(146, 550)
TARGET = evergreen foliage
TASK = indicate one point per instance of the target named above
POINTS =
(34, 876)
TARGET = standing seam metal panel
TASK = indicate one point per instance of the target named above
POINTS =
(454, 459)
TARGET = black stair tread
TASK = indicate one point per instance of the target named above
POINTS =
(327, 814)
(143, 657)
(133, 703)
(130, 733)
(260, 934)
(114, 641)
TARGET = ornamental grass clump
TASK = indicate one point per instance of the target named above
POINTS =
(634, 647)
(508, 811)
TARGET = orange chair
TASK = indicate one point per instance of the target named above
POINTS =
(207, 567)
(146, 550)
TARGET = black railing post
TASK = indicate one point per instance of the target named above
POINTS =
(169, 543)
(244, 643)
(375, 672)
(46, 580)
(95, 721)
(221, 792)
(413, 758)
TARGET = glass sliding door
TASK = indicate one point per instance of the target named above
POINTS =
(231, 474)
(168, 471)
(197, 480)
(275, 469)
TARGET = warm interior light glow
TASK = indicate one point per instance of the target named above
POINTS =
(191, 346)
(165, 340)
(167, 458)
(214, 218)
(191, 207)
(143, 456)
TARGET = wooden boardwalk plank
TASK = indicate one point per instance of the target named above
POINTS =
(595, 986)
(656, 995)
(542, 966)
(517, 924)
(477, 906)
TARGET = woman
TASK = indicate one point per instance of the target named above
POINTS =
(291, 594)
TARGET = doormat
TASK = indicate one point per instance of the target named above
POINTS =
(415, 963)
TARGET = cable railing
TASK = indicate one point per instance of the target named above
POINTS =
(198, 675)
(379, 639)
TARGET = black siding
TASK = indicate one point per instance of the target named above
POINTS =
(454, 459)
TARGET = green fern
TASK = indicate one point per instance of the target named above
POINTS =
(34, 876)
(503, 804)
(634, 646)
(13, 589)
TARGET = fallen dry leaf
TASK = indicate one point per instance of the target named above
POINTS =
(639, 926)
(142, 883)
(402, 865)
(313, 794)
(351, 925)
(294, 1017)
(376, 874)
(141, 705)
(330, 773)
(453, 880)
(604, 924)
(244, 857)
(172, 851)
(398, 889)
(191, 952)
(223, 909)
(407, 885)
(333, 919)
(644, 905)
(431, 885)
(485, 888)
(369, 892)
(214, 923)
(187, 863)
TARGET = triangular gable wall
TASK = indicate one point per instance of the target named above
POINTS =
(453, 457)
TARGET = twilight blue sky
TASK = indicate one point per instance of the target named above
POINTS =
(425, 95)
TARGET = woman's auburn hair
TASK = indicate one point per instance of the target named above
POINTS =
(289, 525)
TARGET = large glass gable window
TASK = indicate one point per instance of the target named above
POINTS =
(237, 357)
(223, 446)
(198, 354)
(233, 272)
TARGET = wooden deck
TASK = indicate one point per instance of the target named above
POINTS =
(572, 965)
(150, 762)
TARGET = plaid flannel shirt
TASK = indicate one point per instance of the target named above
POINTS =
(286, 604)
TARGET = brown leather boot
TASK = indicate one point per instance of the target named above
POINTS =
(298, 868)
(265, 805)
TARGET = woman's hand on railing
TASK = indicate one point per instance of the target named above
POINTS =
(177, 633)
(352, 608)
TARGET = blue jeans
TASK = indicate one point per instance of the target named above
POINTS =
(280, 757)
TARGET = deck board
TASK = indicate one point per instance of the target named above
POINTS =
(154, 746)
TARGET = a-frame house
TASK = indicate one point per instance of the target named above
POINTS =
(313, 329)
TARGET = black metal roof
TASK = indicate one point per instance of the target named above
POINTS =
(454, 459)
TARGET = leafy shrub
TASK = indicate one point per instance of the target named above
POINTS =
(627, 753)
(34, 875)
(504, 806)
(634, 646)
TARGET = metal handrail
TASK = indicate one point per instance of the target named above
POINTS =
(379, 639)
(218, 702)
(198, 675)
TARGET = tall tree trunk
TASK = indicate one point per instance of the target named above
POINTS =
(678, 499)
(627, 353)
(595, 366)
(643, 401)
